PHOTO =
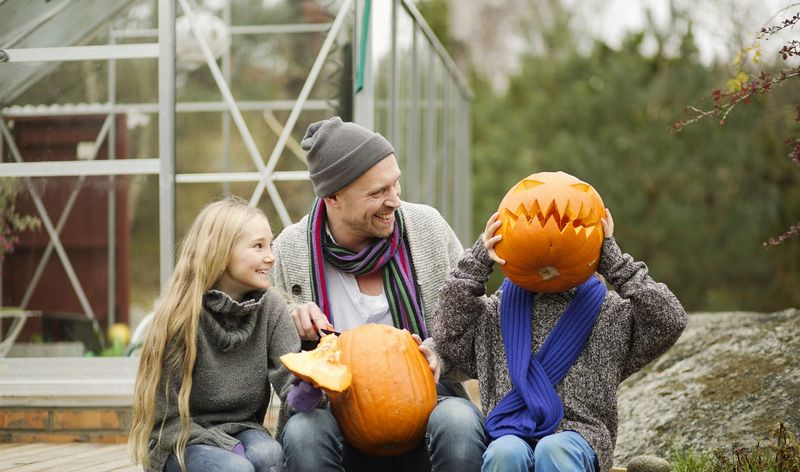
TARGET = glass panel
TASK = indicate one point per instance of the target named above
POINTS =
(381, 36)
(441, 136)
(421, 103)
(461, 190)
(69, 111)
(405, 68)
(430, 128)
(296, 197)
(267, 72)
(439, 76)
(446, 177)
(37, 277)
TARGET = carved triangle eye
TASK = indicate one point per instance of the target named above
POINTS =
(583, 187)
(529, 184)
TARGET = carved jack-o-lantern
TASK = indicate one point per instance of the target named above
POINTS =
(550, 222)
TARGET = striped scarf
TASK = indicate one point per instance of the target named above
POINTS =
(390, 254)
(533, 409)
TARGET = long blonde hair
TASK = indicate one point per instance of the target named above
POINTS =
(170, 342)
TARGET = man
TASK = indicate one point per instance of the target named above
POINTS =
(362, 255)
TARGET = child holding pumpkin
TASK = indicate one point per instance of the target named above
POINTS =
(212, 351)
(549, 362)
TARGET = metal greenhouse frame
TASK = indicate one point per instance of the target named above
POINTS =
(406, 86)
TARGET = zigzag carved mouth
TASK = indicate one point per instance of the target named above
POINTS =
(583, 217)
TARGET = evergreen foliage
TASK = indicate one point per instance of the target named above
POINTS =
(695, 206)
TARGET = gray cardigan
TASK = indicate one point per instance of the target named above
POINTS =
(435, 250)
(638, 322)
(434, 247)
(239, 345)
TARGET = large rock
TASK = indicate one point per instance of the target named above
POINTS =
(727, 382)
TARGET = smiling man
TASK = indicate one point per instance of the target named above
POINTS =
(362, 255)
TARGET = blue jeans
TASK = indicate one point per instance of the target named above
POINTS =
(262, 451)
(564, 451)
(454, 441)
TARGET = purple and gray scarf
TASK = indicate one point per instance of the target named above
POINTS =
(390, 254)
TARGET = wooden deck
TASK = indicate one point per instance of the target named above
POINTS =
(65, 457)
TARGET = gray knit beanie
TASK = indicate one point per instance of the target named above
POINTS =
(339, 152)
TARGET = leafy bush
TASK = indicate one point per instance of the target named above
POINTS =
(11, 222)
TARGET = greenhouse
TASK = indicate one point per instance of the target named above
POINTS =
(116, 128)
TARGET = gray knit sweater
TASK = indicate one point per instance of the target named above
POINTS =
(238, 349)
(639, 320)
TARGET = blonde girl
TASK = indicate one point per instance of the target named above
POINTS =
(212, 351)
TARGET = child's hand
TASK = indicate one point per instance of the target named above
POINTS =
(303, 396)
(490, 239)
(608, 224)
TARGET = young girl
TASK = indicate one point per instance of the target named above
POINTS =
(548, 364)
(213, 350)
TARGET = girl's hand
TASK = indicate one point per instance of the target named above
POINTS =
(490, 239)
(608, 224)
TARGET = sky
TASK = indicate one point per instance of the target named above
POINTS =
(715, 22)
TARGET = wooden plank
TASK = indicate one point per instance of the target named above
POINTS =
(40, 457)
(99, 464)
(29, 451)
(49, 452)
(50, 458)
(110, 465)
(112, 457)
(128, 468)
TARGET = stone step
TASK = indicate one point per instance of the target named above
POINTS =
(69, 382)
(66, 399)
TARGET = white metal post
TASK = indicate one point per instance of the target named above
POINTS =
(166, 138)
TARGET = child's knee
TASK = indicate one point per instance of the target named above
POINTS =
(507, 450)
(265, 455)
(564, 451)
(551, 448)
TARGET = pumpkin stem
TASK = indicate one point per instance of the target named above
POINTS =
(548, 272)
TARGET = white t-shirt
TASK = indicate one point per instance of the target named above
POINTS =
(350, 307)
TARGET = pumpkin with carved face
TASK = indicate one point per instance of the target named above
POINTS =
(550, 222)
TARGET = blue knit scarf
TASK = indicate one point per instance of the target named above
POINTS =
(533, 409)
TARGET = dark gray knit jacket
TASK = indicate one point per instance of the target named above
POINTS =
(638, 322)
(239, 345)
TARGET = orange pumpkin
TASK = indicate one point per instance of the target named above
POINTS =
(550, 222)
(386, 409)
(321, 367)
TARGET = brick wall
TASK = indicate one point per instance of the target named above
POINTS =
(62, 424)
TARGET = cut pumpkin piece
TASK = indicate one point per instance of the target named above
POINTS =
(321, 367)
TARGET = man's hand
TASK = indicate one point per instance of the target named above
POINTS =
(433, 360)
(307, 318)
(490, 239)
